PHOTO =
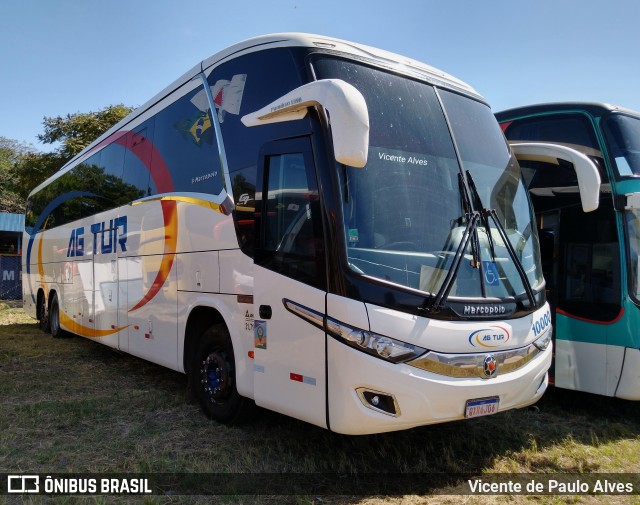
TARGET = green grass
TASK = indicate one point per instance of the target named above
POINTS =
(72, 405)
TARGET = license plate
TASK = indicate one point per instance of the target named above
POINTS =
(481, 407)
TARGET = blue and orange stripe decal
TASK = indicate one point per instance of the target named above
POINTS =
(155, 164)
(86, 331)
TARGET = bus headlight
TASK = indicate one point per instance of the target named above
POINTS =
(386, 348)
(543, 342)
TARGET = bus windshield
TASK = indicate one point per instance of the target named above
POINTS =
(623, 136)
(406, 212)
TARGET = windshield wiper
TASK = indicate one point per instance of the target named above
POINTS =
(485, 218)
(486, 213)
(472, 217)
(447, 284)
(468, 210)
(513, 254)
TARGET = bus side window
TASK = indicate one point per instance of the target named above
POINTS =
(114, 190)
(290, 238)
(137, 159)
(185, 143)
(288, 203)
(243, 183)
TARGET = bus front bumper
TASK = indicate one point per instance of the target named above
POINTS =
(408, 396)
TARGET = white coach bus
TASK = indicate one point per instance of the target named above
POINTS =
(335, 232)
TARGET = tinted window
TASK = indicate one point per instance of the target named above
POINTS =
(477, 133)
(404, 114)
(172, 151)
(406, 197)
(137, 158)
(113, 190)
(404, 208)
(244, 194)
(485, 154)
(112, 160)
(633, 253)
(566, 128)
(185, 143)
(75, 195)
(180, 140)
(86, 178)
(241, 86)
(246, 84)
(291, 231)
(591, 262)
(623, 140)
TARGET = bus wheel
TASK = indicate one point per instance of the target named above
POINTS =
(43, 315)
(54, 318)
(213, 377)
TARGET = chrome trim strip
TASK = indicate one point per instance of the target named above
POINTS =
(472, 365)
(219, 141)
(449, 365)
(309, 315)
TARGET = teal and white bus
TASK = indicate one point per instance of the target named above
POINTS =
(335, 232)
(590, 259)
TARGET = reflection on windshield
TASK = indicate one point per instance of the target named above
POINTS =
(404, 213)
(401, 220)
(497, 178)
(623, 137)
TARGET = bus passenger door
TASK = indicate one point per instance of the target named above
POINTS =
(289, 352)
(588, 356)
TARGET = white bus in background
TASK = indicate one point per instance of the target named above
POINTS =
(335, 232)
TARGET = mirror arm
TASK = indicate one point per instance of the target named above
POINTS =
(347, 112)
(588, 175)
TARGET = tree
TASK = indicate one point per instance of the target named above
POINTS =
(11, 199)
(73, 132)
(77, 131)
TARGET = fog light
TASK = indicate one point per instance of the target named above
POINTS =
(378, 401)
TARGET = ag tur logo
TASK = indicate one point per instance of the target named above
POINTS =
(112, 235)
(493, 336)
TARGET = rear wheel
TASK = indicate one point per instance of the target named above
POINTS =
(54, 318)
(43, 314)
(213, 377)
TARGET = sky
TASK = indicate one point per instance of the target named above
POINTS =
(66, 56)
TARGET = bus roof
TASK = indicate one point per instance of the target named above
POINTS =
(394, 61)
(387, 59)
(593, 108)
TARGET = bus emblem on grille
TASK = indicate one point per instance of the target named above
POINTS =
(490, 366)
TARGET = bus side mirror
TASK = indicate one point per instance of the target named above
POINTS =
(586, 170)
(348, 116)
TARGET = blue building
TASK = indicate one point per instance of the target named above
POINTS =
(11, 228)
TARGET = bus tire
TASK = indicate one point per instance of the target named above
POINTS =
(43, 314)
(54, 317)
(213, 377)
